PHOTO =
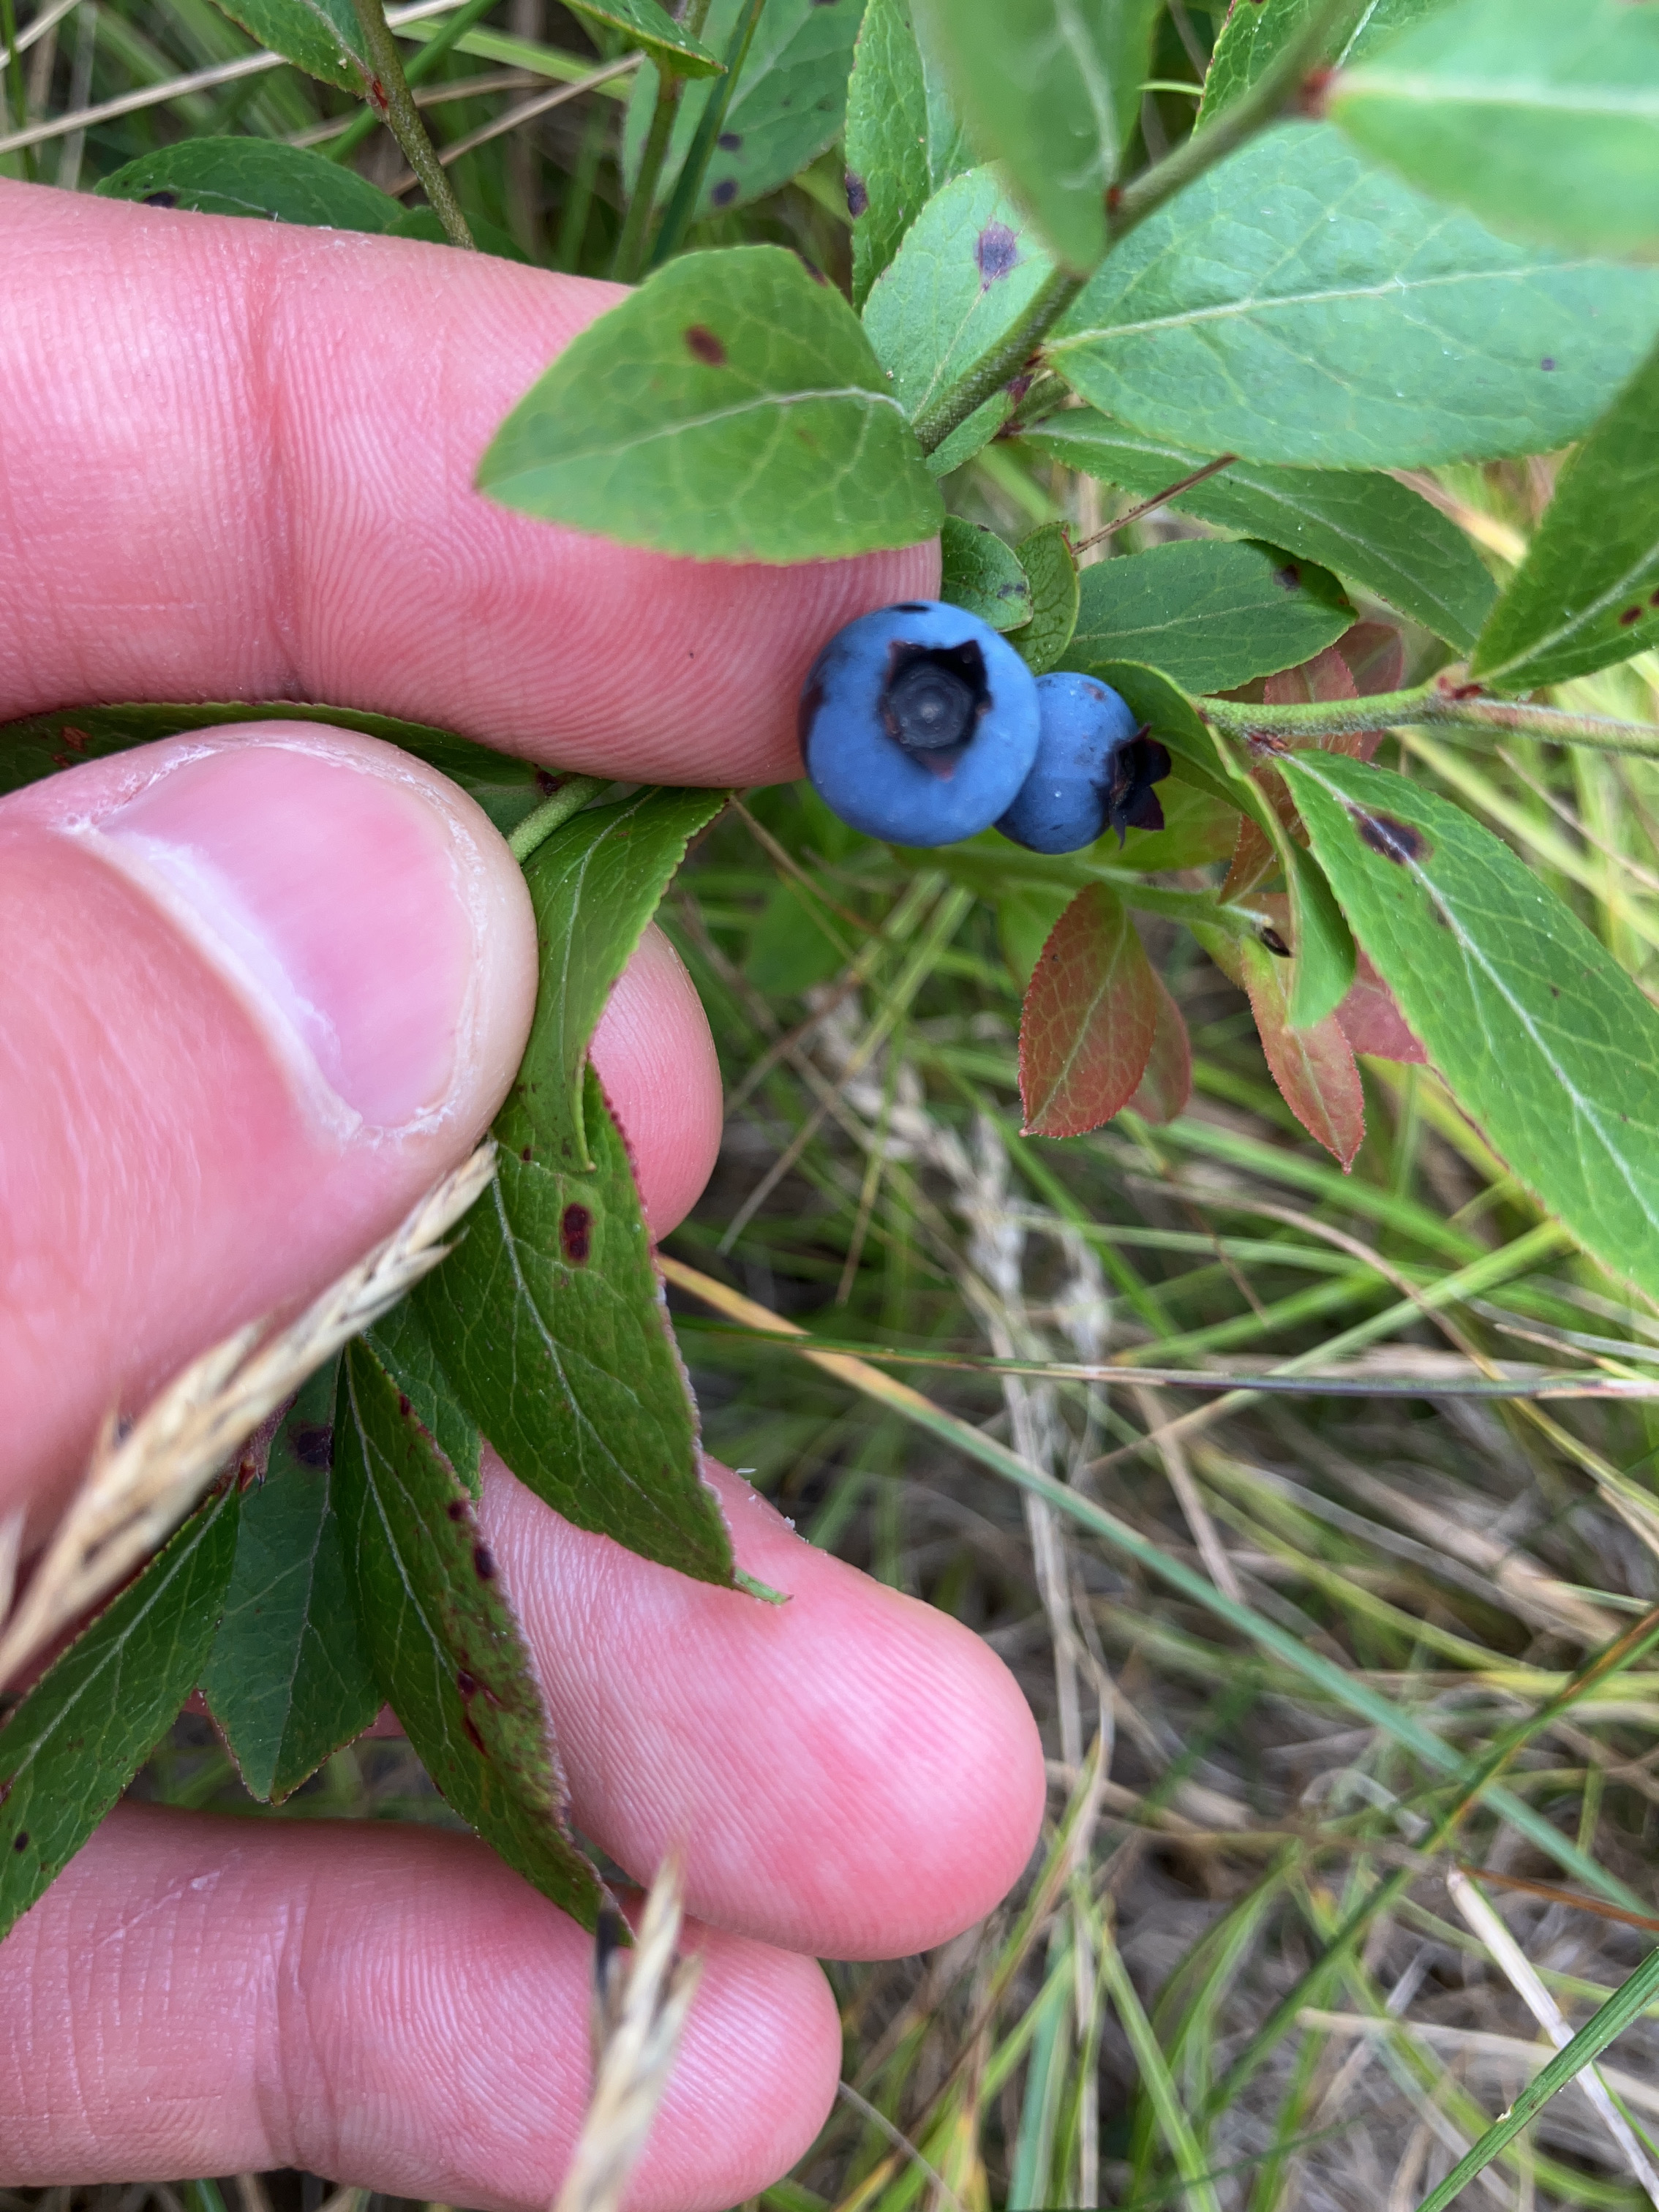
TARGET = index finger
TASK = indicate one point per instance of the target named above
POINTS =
(239, 465)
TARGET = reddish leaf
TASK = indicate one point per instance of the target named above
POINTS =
(1091, 1013)
(1314, 1068)
(1370, 657)
(1376, 654)
(1167, 1084)
(1325, 676)
(1371, 1020)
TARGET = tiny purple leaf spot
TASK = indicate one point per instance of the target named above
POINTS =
(312, 1444)
(1547, 363)
(729, 141)
(858, 197)
(1288, 579)
(1631, 615)
(21, 1840)
(701, 343)
(483, 1563)
(997, 251)
(1396, 840)
(724, 192)
(465, 1683)
(575, 1234)
(473, 1736)
(456, 1509)
(1275, 943)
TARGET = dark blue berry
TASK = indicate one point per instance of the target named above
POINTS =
(919, 724)
(1094, 768)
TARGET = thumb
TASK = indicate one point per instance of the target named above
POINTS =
(262, 986)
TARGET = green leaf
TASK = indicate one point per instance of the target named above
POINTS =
(1050, 566)
(286, 1679)
(1541, 115)
(1052, 87)
(1546, 1042)
(1257, 30)
(969, 268)
(1086, 1027)
(595, 884)
(1322, 972)
(549, 1320)
(644, 24)
(1361, 524)
(254, 177)
(731, 409)
(442, 1639)
(76, 1739)
(981, 572)
(888, 177)
(321, 37)
(508, 790)
(1210, 615)
(787, 107)
(1587, 592)
(1297, 303)
(973, 432)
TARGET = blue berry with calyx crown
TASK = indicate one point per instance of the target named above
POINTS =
(1094, 768)
(919, 724)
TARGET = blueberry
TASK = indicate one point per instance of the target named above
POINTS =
(1094, 766)
(919, 724)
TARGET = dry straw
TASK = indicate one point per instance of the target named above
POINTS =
(143, 1482)
(641, 1999)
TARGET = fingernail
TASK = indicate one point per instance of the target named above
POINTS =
(338, 894)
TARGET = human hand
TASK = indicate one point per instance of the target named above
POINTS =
(236, 464)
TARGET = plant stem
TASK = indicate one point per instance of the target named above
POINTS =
(1435, 704)
(419, 65)
(571, 795)
(388, 98)
(1251, 112)
(935, 423)
(629, 262)
(676, 217)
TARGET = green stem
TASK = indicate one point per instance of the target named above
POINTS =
(1252, 112)
(418, 66)
(935, 423)
(389, 99)
(677, 217)
(629, 262)
(1433, 704)
(571, 795)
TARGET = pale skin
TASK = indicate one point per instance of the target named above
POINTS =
(235, 463)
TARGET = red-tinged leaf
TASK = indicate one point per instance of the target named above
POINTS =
(1091, 1014)
(1167, 1085)
(1370, 657)
(1376, 654)
(1371, 1020)
(1314, 1068)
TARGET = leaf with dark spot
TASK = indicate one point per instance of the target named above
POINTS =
(996, 253)
(701, 342)
(1394, 840)
(430, 1620)
(1546, 1043)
